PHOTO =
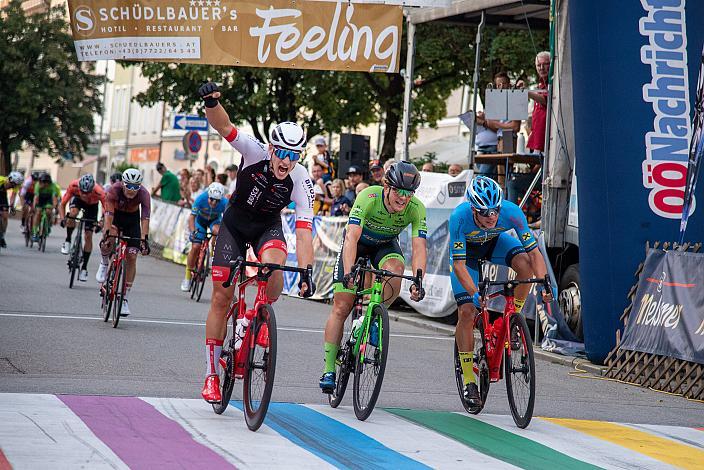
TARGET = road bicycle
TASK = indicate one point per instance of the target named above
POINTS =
(27, 224)
(202, 268)
(253, 356)
(504, 339)
(366, 348)
(112, 291)
(75, 257)
(44, 230)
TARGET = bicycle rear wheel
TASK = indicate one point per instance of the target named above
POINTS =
(261, 367)
(227, 380)
(40, 243)
(74, 259)
(119, 283)
(203, 274)
(481, 370)
(371, 364)
(520, 372)
(194, 283)
(344, 366)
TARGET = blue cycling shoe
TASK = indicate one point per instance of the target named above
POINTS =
(327, 382)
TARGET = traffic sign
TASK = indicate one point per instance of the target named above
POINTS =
(192, 142)
(190, 122)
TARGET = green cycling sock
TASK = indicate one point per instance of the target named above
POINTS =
(330, 357)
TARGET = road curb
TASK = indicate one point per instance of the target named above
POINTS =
(578, 363)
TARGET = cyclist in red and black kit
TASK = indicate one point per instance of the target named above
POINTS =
(127, 210)
(268, 180)
(84, 194)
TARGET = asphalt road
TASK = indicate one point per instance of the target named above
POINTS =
(52, 340)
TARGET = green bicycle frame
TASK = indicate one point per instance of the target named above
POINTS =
(375, 292)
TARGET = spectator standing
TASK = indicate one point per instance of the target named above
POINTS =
(196, 190)
(536, 139)
(168, 185)
(324, 159)
(323, 199)
(210, 173)
(231, 171)
(454, 169)
(184, 177)
(354, 177)
(200, 176)
(340, 205)
(428, 166)
(376, 175)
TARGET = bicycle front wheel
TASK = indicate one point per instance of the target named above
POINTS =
(106, 292)
(371, 363)
(519, 368)
(203, 274)
(74, 260)
(344, 366)
(119, 285)
(227, 379)
(261, 367)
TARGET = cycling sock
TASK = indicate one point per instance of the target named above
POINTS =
(86, 257)
(105, 260)
(188, 273)
(467, 363)
(128, 286)
(69, 232)
(330, 356)
(213, 347)
(519, 304)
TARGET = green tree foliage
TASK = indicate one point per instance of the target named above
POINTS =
(48, 99)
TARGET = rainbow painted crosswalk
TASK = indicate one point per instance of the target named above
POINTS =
(70, 431)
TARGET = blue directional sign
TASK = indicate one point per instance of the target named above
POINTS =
(189, 122)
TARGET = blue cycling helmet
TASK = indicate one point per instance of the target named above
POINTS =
(484, 193)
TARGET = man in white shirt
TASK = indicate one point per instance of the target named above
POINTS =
(231, 171)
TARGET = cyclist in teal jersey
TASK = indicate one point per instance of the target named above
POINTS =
(379, 214)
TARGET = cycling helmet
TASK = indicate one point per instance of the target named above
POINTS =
(132, 176)
(36, 174)
(45, 178)
(288, 135)
(484, 193)
(403, 175)
(86, 183)
(115, 177)
(15, 177)
(216, 191)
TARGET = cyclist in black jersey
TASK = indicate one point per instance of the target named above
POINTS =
(268, 180)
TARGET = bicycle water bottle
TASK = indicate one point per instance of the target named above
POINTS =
(240, 330)
(356, 328)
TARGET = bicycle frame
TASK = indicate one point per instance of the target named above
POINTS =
(201, 252)
(496, 340)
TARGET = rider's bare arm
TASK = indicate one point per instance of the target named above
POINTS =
(460, 269)
(349, 252)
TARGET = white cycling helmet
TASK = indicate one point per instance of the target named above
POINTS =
(86, 183)
(15, 177)
(132, 176)
(216, 191)
(288, 135)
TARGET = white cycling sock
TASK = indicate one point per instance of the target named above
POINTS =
(213, 347)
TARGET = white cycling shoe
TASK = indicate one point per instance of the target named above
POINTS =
(186, 285)
(125, 310)
(83, 275)
(65, 248)
(102, 273)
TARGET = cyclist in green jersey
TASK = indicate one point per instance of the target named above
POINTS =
(46, 197)
(379, 214)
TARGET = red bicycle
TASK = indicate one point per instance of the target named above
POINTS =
(202, 268)
(253, 355)
(503, 338)
(113, 289)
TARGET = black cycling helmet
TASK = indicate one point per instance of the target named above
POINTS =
(36, 174)
(45, 178)
(403, 175)
(115, 177)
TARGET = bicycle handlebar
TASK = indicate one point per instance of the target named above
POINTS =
(362, 265)
(120, 237)
(80, 218)
(483, 285)
(237, 265)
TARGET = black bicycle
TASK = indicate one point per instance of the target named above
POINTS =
(75, 257)
(202, 269)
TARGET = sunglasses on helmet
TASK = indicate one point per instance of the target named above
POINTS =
(403, 192)
(487, 212)
(283, 154)
(132, 187)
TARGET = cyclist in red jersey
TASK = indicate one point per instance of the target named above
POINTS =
(268, 180)
(84, 194)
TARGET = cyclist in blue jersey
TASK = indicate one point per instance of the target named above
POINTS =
(479, 230)
(206, 213)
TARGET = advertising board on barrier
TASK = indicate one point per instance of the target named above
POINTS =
(668, 309)
(256, 33)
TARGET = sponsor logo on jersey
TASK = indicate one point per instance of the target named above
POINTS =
(526, 236)
(372, 195)
(474, 233)
(458, 245)
(253, 196)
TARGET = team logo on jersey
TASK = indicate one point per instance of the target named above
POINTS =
(526, 236)
(458, 245)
